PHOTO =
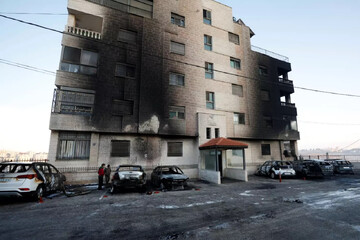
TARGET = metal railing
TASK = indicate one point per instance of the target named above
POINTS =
(269, 53)
(23, 160)
(83, 32)
(351, 158)
(285, 104)
(286, 81)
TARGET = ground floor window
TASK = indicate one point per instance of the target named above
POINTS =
(120, 148)
(175, 149)
(209, 159)
(73, 146)
(237, 158)
(265, 149)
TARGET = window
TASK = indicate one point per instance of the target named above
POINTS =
(209, 70)
(235, 63)
(265, 149)
(175, 149)
(207, 42)
(217, 132)
(268, 121)
(177, 48)
(73, 101)
(291, 123)
(73, 146)
(237, 159)
(207, 17)
(76, 60)
(210, 100)
(177, 79)
(234, 38)
(122, 107)
(124, 70)
(263, 71)
(239, 118)
(237, 90)
(127, 36)
(176, 112)
(177, 20)
(120, 148)
(265, 95)
(208, 133)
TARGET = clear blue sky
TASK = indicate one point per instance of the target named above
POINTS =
(321, 38)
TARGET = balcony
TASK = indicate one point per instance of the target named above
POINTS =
(286, 104)
(83, 32)
(286, 81)
(269, 53)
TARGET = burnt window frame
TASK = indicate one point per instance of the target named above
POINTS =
(177, 116)
(75, 64)
(176, 82)
(175, 153)
(173, 43)
(128, 67)
(266, 149)
(117, 153)
(240, 118)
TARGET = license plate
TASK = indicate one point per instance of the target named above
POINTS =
(2, 180)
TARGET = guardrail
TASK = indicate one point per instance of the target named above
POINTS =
(269, 53)
(83, 32)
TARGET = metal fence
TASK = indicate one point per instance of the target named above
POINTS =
(23, 160)
(351, 158)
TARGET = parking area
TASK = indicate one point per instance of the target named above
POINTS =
(262, 208)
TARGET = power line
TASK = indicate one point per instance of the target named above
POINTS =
(33, 13)
(335, 124)
(164, 58)
(19, 65)
(350, 145)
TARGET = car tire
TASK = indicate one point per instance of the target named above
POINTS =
(162, 186)
(272, 175)
(112, 189)
(39, 193)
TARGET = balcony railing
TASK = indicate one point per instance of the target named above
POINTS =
(269, 53)
(83, 32)
(285, 104)
(286, 81)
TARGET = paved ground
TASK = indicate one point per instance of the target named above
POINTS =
(260, 209)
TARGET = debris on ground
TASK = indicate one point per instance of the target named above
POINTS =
(292, 200)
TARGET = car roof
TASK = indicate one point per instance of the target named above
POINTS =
(167, 166)
(22, 163)
(130, 166)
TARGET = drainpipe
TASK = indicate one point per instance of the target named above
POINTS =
(281, 156)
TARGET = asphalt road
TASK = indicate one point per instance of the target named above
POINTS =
(259, 209)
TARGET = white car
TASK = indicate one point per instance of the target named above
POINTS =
(33, 179)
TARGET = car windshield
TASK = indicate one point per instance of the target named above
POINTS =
(171, 170)
(343, 162)
(129, 168)
(14, 168)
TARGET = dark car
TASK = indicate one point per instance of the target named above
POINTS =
(312, 168)
(341, 166)
(128, 176)
(326, 167)
(168, 177)
(274, 168)
(34, 179)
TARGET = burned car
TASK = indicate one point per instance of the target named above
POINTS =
(341, 166)
(274, 168)
(313, 168)
(29, 179)
(169, 177)
(128, 176)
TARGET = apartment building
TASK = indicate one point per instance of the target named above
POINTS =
(152, 82)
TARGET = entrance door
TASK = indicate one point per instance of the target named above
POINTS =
(220, 167)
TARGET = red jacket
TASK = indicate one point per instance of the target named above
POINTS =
(101, 171)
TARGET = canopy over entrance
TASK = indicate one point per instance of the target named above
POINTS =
(223, 143)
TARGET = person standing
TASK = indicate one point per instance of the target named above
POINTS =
(107, 174)
(101, 173)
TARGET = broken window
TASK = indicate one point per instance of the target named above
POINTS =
(234, 38)
(237, 90)
(124, 70)
(207, 17)
(73, 101)
(177, 20)
(207, 42)
(265, 149)
(263, 71)
(120, 148)
(79, 61)
(268, 121)
(235, 63)
(239, 118)
(265, 95)
(209, 70)
(73, 146)
(178, 48)
(176, 112)
(237, 159)
(210, 100)
(122, 107)
(175, 149)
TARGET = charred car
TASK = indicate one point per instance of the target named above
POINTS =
(313, 168)
(29, 179)
(169, 177)
(128, 176)
(341, 166)
(273, 169)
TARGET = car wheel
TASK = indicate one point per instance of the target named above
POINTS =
(272, 175)
(39, 193)
(112, 189)
(162, 186)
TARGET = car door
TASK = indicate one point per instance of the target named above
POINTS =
(56, 178)
(263, 168)
(268, 167)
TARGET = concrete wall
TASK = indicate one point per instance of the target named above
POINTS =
(210, 176)
(238, 174)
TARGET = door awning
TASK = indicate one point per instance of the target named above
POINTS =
(223, 143)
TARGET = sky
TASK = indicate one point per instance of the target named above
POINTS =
(320, 37)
